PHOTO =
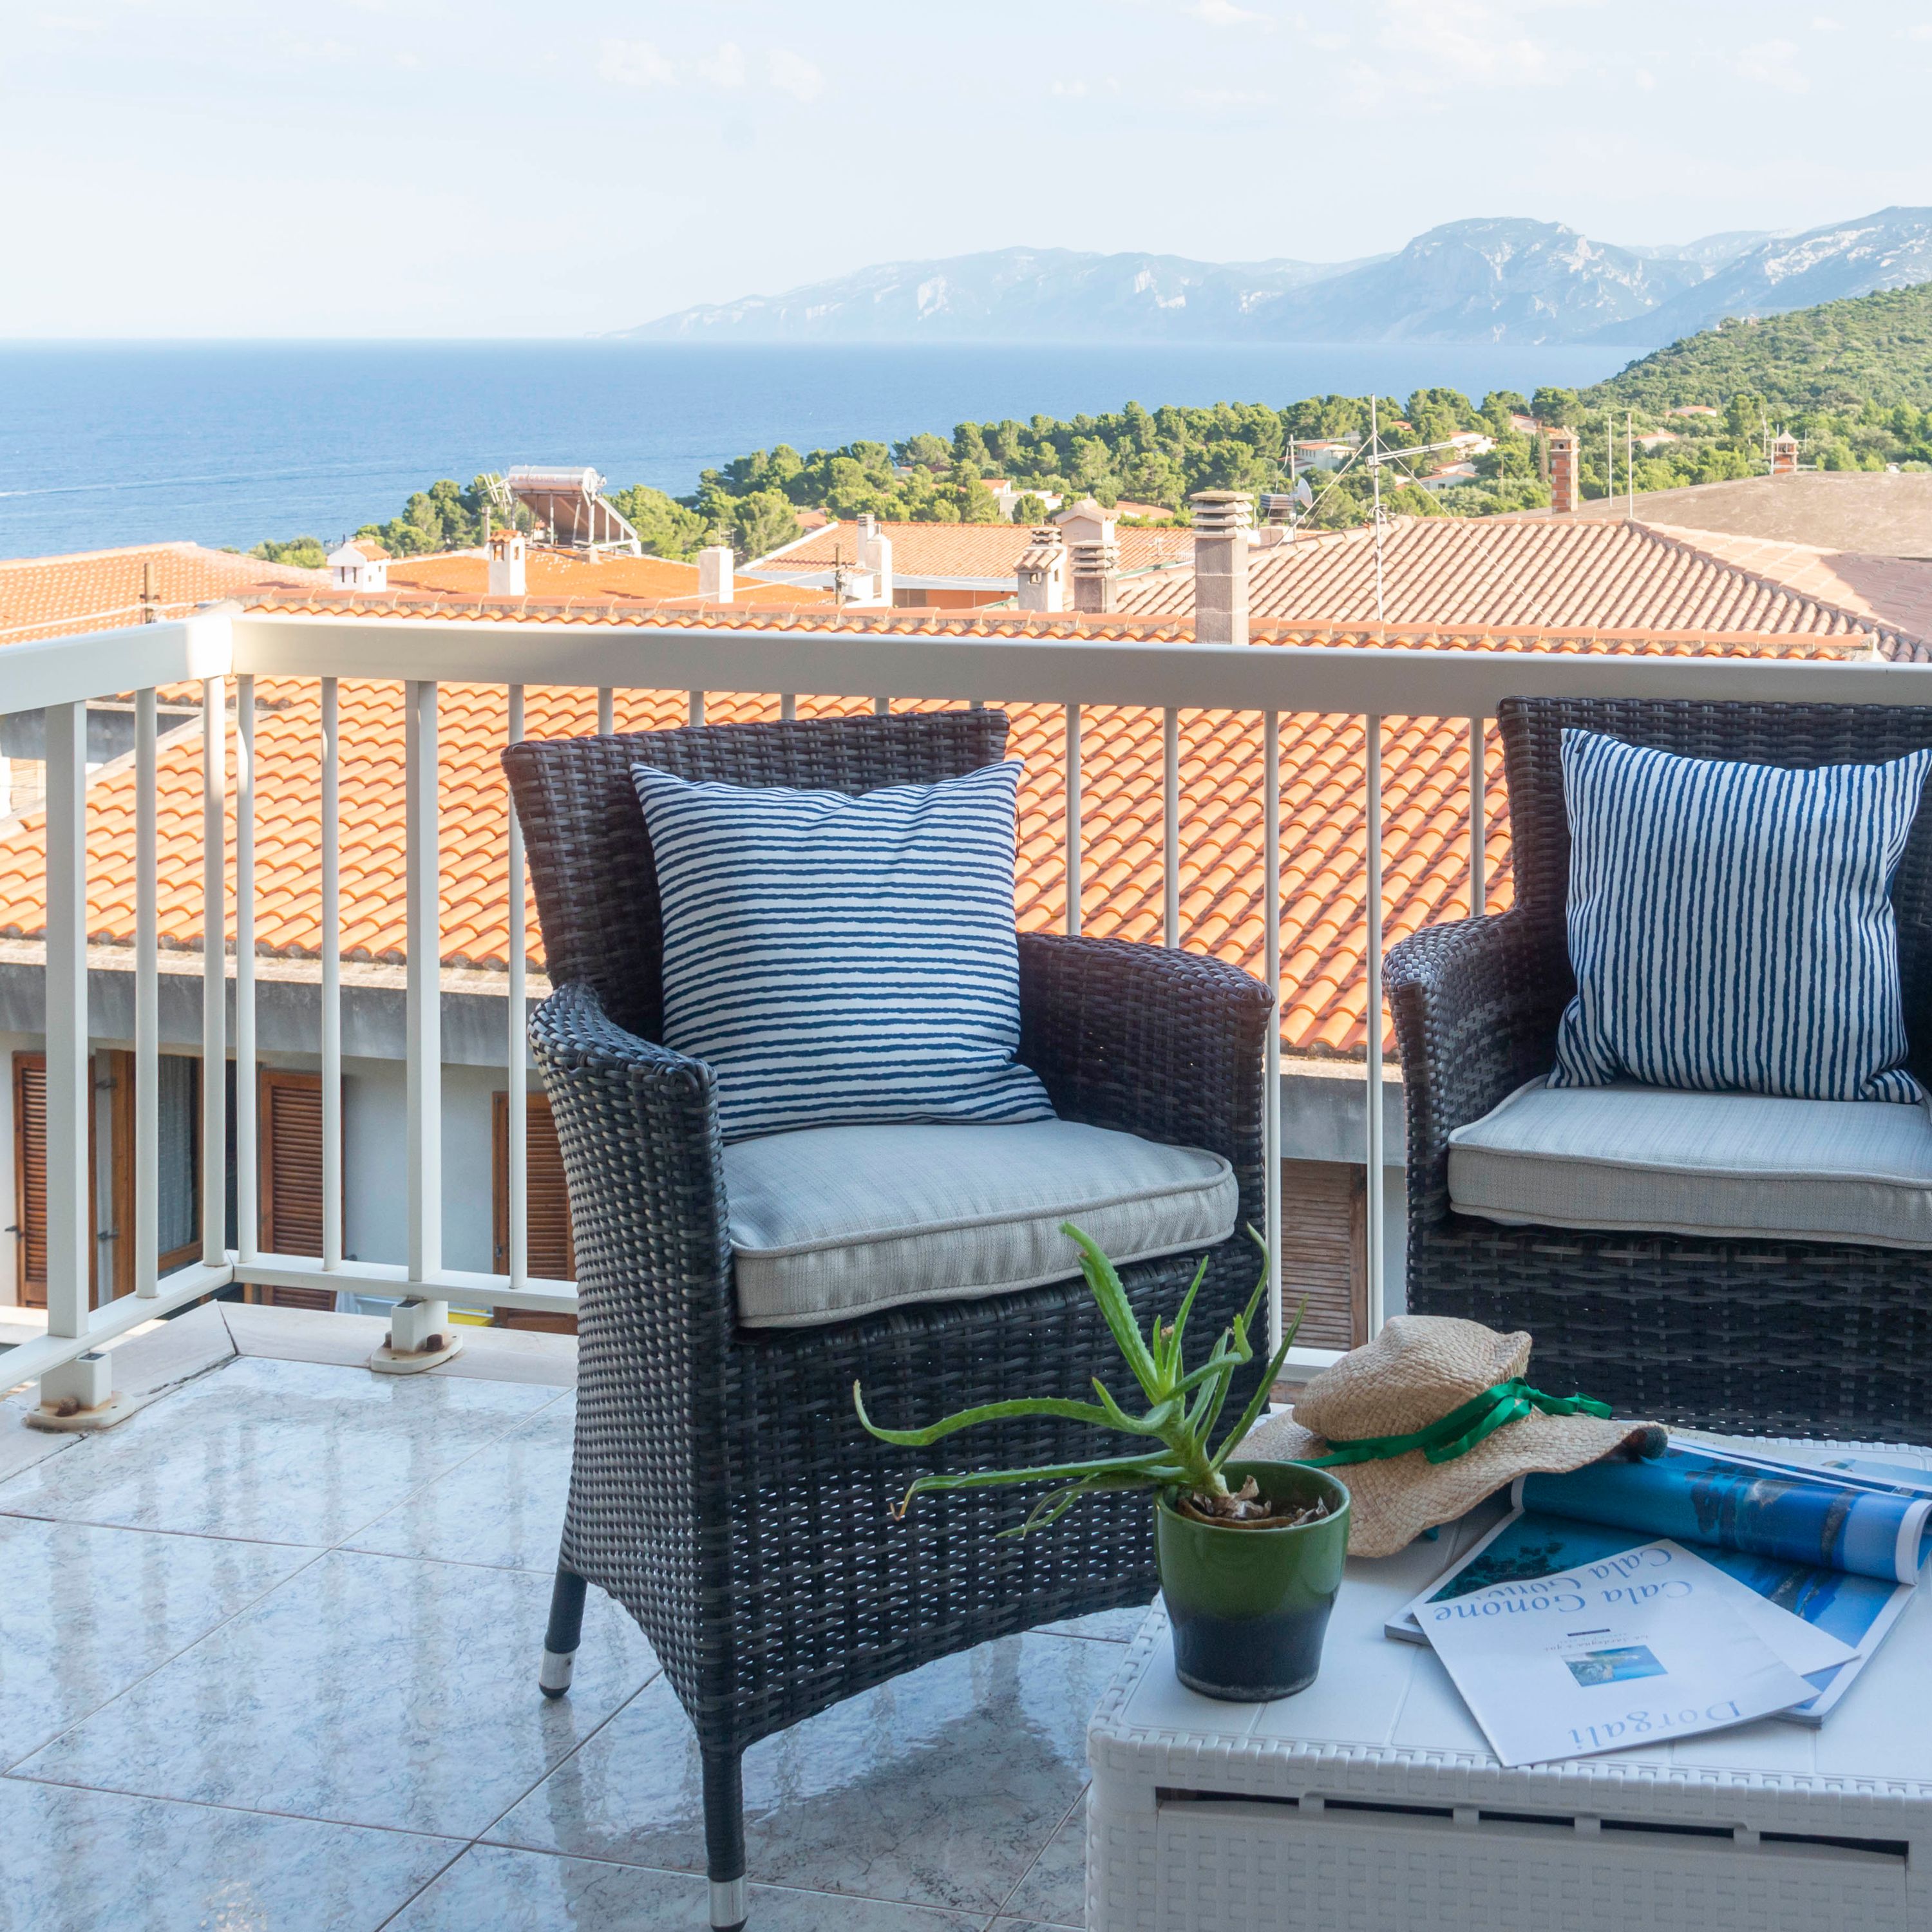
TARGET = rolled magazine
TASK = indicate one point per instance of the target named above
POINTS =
(1839, 1543)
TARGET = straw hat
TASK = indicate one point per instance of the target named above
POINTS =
(1451, 1380)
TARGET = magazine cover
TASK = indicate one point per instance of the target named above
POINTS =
(1527, 1544)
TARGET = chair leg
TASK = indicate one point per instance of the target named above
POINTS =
(560, 1640)
(724, 1839)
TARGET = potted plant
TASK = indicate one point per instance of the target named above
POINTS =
(1249, 1553)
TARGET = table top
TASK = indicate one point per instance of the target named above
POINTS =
(1389, 1711)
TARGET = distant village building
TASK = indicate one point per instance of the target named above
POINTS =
(359, 564)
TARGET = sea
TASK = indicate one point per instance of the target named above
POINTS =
(227, 443)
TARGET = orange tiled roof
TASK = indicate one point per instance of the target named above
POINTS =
(100, 590)
(1425, 773)
(554, 576)
(987, 550)
(1540, 572)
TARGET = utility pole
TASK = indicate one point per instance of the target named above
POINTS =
(1630, 461)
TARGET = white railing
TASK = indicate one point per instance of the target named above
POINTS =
(212, 648)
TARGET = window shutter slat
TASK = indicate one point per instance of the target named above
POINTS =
(1321, 1206)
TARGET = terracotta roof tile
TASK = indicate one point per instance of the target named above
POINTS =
(100, 590)
(1543, 573)
(562, 576)
(989, 550)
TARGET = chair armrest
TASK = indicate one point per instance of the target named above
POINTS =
(1476, 1006)
(638, 1125)
(1166, 1044)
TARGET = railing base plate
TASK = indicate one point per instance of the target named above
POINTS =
(388, 1361)
(86, 1421)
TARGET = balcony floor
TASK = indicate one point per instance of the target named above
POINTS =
(268, 1657)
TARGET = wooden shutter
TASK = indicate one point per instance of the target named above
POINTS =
(289, 1132)
(30, 1183)
(1323, 1204)
(553, 1254)
(30, 1177)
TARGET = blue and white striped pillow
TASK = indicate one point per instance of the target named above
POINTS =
(1731, 926)
(835, 959)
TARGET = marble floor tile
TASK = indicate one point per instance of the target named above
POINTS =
(366, 1689)
(1109, 1626)
(504, 1506)
(1005, 1924)
(493, 1889)
(93, 1862)
(940, 1788)
(86, 1611)
(1054, 1891)
(285, 1452)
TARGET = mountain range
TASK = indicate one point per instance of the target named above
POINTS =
(1498, 279)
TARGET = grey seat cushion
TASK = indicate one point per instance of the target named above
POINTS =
(831, 1222)
(1741, 1165)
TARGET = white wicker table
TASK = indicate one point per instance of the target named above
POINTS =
(1372, 1803)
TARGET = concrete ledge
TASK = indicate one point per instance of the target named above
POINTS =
(1324, 1111)
(347, 1341)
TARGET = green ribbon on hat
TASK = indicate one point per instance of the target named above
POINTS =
(1462, 1429)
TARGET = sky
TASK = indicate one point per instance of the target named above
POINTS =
(388, 168)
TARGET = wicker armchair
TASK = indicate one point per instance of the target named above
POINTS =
(1783, 1337)
(722, 1491)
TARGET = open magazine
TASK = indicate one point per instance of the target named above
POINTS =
(1840, 1543)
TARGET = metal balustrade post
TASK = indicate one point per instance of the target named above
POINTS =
(1073, 810)
(330, 1042)
(1372, 1242)
(1170, 827)
(517, 1046)
(1479, 818)
(247, 1206)
(420, 1334)
(69, 1208)
(214, 969)
(1271, 960)
(146, 1232)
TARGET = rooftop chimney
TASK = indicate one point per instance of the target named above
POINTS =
(1277, 523)
(1042, 571)
(714, 574)
(1221, 518)
(1086, 522)
(1096, 571)
(875, 554)
(356, 564)
(1784, 454)
(1562, 445)
(507, 554)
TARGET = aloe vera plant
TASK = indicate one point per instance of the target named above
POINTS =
(1183, 1407)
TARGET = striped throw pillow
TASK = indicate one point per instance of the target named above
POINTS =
(836, 959)
(1731, 926)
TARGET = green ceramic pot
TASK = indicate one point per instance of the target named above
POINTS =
(1249, 1607)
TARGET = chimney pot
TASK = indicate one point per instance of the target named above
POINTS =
(507, 552)
(714, 574)
(1042, 571)
(1562, 444)
(1096, 570)
(875, 554)
(1222, 519)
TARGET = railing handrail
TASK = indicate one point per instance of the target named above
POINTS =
(1057, 669)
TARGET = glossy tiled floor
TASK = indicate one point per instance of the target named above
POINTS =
(267, 1660)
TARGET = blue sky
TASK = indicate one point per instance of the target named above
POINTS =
(421, 167)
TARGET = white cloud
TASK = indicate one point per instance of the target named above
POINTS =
(1775, 64)
(793, 74)
(1222, 12)
(1329, 44)
(634, 63)
(1823, 23)
(1443, 45)
(726, 67)
(1225, 97)
(1923, 31)
(1070, 90)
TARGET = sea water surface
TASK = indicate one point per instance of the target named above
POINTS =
(104, 444)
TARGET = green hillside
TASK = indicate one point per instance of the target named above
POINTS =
(1841, 357)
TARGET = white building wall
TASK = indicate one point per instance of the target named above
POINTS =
(376, 1208)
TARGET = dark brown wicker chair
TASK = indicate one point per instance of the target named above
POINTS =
(1781, 1337)
(722, 1491)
